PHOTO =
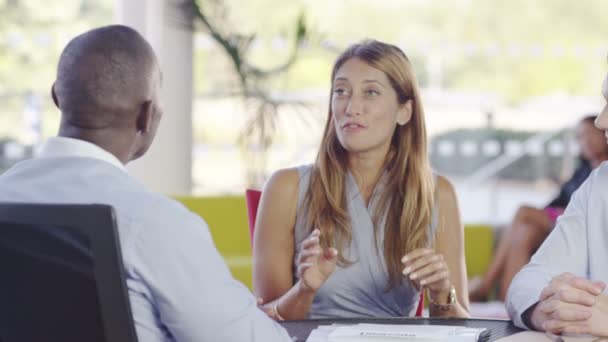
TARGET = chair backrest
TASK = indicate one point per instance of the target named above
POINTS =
(253, 200)
(62, 275)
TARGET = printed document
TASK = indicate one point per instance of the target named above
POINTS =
(394, 333)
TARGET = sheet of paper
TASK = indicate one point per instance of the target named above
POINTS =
(321, 334)
(390, 332)
(534, 336)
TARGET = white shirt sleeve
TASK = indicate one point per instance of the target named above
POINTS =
(564, 250)
(194, 295)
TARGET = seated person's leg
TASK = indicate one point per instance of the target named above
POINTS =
(529, 229)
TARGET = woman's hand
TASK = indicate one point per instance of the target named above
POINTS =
(426, 268)
(315, 265)
(270, 309)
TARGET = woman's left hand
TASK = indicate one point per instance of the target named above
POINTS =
(268, 309)
(426, 268)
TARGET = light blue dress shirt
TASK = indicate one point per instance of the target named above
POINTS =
(179, 286)
(578, 244)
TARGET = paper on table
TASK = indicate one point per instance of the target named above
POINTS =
(391, 332)
(534, 336)
(321, 333)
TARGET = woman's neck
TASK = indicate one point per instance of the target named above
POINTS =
(366, 170)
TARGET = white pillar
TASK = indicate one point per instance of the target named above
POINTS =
(167, 166)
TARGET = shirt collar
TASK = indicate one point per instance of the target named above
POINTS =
(57, 147)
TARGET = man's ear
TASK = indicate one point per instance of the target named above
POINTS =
(144, 118)
(405, 113)
(54, 96)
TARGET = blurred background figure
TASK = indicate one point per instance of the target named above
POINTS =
(531, 225)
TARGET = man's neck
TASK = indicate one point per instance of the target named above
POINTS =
(103, 140)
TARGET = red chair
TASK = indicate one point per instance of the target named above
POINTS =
(420, 307)
(252, 198)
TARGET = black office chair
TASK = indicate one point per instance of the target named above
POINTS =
(61, 275)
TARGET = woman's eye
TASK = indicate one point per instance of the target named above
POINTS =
(340, 91)
(372, 92)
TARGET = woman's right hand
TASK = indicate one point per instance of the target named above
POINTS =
(315, 265)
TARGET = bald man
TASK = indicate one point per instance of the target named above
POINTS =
(180, 289)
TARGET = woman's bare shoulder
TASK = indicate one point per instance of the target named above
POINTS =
(445, 190)
(283, 181)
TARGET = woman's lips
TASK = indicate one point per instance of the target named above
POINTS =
(352, 127)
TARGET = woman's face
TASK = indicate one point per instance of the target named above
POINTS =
(365, 107)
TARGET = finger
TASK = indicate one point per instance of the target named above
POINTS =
(310, 242)
(315, 232)
(556, 326)
(330, 253)
(571, 315)
(571, 283)
(575, 296)
(428, 270)
(577, 329)
(311, 251)
(420, 262)
(416, 253)
(563, 277)
(547, 292)
(435, 264)
(303, 267)
(555, 286)
(435, 278)
(308, 253)
(260, 301)
(600, 284)
(560, 310)
(586, 285)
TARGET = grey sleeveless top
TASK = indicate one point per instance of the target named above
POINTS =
(357, 290)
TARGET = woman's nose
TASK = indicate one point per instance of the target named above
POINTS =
(354, 107)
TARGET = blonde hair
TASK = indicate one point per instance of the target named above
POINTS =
(409, 189)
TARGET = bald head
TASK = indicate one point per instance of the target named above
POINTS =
(107, 90)
(103, 76)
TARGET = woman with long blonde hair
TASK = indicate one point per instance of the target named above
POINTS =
(365, 228)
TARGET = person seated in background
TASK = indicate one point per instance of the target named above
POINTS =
(107, 88)
(530, 226)
(563, 288)
(365, 228)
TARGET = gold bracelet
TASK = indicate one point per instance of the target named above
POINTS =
(275, 308)
(444, 307)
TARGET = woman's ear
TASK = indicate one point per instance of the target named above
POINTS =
(405, 113)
